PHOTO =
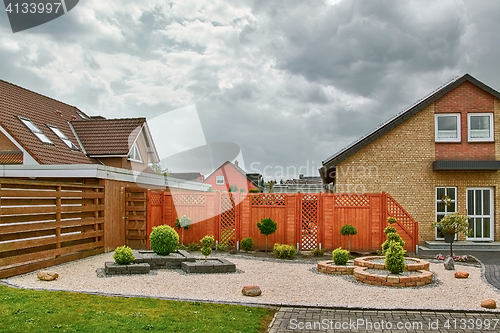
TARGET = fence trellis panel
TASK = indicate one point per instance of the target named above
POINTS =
(306, 220)
(44, 223)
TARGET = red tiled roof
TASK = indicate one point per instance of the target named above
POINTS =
(11, 157)
(42, 111)
(108, 136)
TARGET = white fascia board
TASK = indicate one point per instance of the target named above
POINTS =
(27, 158)
(98, 171)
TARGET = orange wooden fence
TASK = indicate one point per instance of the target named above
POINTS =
(48, 223)
(308, 220)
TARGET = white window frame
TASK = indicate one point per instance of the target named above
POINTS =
(459, 132)
(219, 180)
(36, 131)
(438, 200)
(63, 137)
(135, 154)
(492, 129)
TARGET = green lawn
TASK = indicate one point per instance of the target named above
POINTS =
(47, 311)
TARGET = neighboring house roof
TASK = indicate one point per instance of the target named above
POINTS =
(249, 177)
(18, 102)
(343, 154)
(11, 157)
(96, 135)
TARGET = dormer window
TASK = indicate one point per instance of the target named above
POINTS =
(63, 137)
(135, 154)
(35, 130)
(448, 127)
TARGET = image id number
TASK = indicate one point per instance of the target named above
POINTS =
(33, 7)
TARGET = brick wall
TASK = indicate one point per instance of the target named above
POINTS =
(400, 162)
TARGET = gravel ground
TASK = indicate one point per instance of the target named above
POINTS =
(281, 281)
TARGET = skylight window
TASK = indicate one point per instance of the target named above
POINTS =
(63, 137)
(35, 130)
(135, 154)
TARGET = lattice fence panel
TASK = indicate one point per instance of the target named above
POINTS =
(268, 200)
(350, 200)
(189, 199)
(227, 220)
(396, 211)
(309, 225)
(155, 199)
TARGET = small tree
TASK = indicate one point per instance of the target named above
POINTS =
(206, 246)
(182, 223)
(348, 230)
(267, 227)
(453, 224)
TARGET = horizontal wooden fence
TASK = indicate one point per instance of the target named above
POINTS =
(308, 220)
(44, 223)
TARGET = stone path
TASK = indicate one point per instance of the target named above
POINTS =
(294, 319)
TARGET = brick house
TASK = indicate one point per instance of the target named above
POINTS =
(38, 130)
(231, 174)
(442, 147)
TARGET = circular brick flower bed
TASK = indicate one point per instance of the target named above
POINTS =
(329, 267)
(378, 262)
(383, 279)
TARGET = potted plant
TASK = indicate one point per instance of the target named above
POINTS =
(451, 225)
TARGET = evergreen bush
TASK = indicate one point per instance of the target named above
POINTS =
(247, 244)
(392, 237)
(123, 255)
(340, 257)
(206, 246)
(347, 230)
(267, 227)
(395, 258)
(164, 240)
(390, 229)
(317, 252)
(194, 247)
(284, 251)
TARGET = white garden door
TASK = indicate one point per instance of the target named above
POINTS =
(480, 212)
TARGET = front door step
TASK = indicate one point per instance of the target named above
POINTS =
(462, 245)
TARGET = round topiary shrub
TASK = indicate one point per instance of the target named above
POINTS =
(123, 255)
(206, 246)
(390, 229)
(395, 258)
(340, 257)
(247, 244)
(392, 237)
(164, 240)
(206, 251)
(391, 220)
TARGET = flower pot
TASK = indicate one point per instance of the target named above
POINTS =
(449, 238)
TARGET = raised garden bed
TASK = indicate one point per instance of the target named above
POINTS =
(111, 268)
(384, 278)
(171, 261)
(212, 265)
(329, 267)
(378, 262)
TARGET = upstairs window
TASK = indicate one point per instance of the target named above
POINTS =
(480, 126)
(63, 137)
(447, 127)
(219, 180)
(135, 154)
(35, 130)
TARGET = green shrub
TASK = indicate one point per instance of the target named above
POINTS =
(164, 240)
(340, 257)
(391, 220)
(390, 229)
(247, 244)
(183, 222)
(194, 247)
(284, 251)
(207, 241)
(267, 227)
(182, 247)
(123, 255)
(395, 258)
(223, 246)
(392, 237)
(206, 251)
(253, 190)
(318, 252)
(233, 188)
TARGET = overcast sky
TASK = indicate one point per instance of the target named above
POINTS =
(291, 81)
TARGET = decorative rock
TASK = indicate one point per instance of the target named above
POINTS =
(461, 275)
(251, 291)
(47, 275)
(449, 263)
(489, 304)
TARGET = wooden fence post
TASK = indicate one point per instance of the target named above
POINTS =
(148, 215)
